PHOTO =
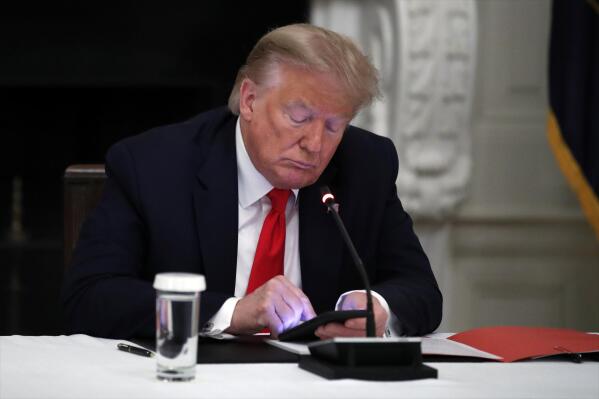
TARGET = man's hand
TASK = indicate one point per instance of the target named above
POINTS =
(278, 305)
(355, 327)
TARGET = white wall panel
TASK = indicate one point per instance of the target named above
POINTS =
(519, 250)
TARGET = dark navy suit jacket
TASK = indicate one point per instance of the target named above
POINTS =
(170, 204)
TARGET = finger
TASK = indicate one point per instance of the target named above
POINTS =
(307, 309)
(308, 312)
(356, 323)
(294, 312)
(286, 314)
(291, 287)
(272, 321)
(360, 324)
(320, 334)
(339, 330)
(265, 306)
(380, 319)
(357, 300)
(294, 303)
(273, 294)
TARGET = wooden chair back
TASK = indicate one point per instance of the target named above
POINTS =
(83, 185)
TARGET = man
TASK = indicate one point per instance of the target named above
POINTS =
(234, 195)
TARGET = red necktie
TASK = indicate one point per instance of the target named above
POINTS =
(270, 252)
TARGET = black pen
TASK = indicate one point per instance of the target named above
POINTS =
(135, 350)
(575, 357)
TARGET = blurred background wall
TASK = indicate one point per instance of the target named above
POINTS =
(522, 251)
(465, 102)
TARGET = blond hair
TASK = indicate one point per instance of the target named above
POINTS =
(315, 49)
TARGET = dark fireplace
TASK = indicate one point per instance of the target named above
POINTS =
(77, 77)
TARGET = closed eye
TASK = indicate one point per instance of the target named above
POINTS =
(296, 119)
(334, 127)
(298, 113)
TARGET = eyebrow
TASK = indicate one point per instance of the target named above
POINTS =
(298, 104)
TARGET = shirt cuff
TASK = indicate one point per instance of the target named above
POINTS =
(222, 319)
(392, 329)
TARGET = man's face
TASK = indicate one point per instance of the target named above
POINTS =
(292, 127)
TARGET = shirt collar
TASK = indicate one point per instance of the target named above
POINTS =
(251, 185)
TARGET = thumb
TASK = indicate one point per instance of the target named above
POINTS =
(353, 301)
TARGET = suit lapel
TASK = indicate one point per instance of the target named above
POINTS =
(321, 247)
(216, 209)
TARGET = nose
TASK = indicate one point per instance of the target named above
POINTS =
(312, 138)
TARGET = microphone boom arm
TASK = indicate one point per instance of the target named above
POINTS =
(333, 208)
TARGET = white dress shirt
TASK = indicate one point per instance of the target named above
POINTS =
(253, 208)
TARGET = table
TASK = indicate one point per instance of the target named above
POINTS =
(81, 366)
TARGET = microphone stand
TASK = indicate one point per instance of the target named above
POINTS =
(333, 209)
(378, 359)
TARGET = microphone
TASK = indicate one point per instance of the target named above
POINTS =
(328, 199)
(378, 359)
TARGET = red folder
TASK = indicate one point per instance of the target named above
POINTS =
(517, 343)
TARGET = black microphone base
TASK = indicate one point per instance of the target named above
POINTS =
(398, 359)
(333, 371)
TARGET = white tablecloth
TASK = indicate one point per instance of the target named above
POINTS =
(80, 366)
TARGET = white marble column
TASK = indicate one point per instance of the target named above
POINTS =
(425, 52)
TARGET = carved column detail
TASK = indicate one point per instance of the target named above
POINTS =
(425, 52)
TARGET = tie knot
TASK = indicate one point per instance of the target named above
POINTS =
(278, 199)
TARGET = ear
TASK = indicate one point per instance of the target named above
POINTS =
(247, 96)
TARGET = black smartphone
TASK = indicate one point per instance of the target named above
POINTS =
(305, 331)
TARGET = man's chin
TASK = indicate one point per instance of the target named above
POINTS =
(295, 181)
